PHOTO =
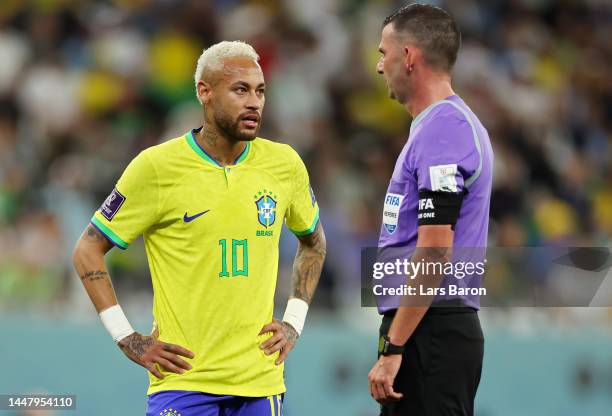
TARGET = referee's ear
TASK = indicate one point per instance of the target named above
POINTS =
(410, 54)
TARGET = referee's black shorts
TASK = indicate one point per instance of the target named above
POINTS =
(441, 364)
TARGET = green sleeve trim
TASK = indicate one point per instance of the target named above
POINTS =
(310, 230)
(108, 233)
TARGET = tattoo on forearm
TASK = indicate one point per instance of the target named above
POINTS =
(97, 275)
(94, 234)
(308, 264)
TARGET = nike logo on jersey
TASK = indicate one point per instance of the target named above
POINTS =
(188, 218)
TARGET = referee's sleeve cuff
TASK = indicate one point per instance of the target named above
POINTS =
(108, 233)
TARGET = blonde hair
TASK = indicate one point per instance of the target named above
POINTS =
(212, 58)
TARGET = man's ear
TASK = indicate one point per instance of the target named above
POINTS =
(409, 58)
(204, 91)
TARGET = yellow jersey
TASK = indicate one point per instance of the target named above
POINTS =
(211, 235)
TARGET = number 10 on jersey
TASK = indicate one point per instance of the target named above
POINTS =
(240, 258)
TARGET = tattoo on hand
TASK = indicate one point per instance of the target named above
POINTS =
(290, 333)
(137, 344)
(97, 275)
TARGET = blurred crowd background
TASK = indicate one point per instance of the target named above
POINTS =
(86, 85)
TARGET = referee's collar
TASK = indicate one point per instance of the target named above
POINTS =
(424, 113)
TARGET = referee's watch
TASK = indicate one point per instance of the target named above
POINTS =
(386, 348)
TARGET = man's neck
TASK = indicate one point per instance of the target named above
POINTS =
(223, 150)
(436, 88)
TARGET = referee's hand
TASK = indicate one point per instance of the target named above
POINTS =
(149, 352)
(382, 376)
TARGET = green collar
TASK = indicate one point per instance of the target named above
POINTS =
(202, 153)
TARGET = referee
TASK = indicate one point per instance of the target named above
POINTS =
(437, 206)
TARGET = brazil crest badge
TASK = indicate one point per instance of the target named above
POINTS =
(266, 208)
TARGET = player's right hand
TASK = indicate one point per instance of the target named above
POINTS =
(149, 352)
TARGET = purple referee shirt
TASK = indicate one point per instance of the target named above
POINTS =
(449, 150)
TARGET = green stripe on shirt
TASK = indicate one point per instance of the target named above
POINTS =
(110, 234)
(310, 230)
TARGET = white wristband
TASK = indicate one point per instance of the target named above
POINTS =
(116, 323)
(295, 314)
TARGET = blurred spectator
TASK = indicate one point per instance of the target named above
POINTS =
(84, 86)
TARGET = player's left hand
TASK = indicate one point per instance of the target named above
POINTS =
(283, 339)
(382, 376)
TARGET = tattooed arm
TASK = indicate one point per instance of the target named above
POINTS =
(147, 351)
(308, 264)
(88, 259)
(307, 268)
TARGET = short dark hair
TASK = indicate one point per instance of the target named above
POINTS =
(433, 30)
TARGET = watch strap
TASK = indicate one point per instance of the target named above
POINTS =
(385, 347)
